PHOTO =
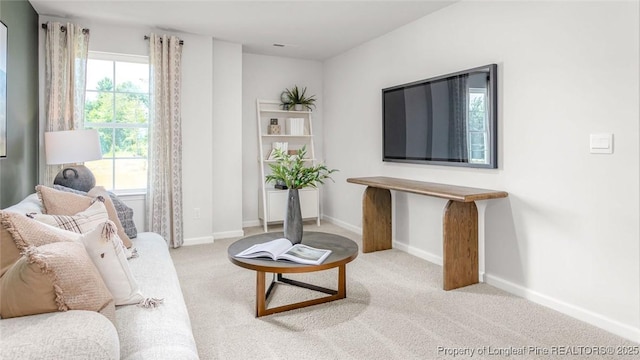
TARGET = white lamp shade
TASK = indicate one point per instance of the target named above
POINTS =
(72, 146)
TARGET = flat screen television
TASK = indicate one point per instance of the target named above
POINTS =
(446, 120)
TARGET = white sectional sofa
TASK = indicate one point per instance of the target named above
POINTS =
(163, 332)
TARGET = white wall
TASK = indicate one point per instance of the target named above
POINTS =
(198, 117)
(198, 120)
(265, 77)
(567, 235)
(227, 139)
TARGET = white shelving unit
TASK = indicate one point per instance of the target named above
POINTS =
(272, 202)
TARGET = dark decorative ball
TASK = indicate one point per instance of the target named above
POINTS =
(77, 177)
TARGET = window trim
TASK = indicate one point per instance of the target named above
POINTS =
(108, 56)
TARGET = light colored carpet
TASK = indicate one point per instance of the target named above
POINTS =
(395, 309)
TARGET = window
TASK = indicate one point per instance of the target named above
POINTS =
(477, 127)
(117, 105)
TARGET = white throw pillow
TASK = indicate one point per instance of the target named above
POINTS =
(107, 253)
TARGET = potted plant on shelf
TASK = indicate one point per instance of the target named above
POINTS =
(296, 99)
(292, 171)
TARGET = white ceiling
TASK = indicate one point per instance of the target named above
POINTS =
(310, 29)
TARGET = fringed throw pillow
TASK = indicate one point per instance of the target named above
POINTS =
(19, 232)
(9, 253)
(54, 277)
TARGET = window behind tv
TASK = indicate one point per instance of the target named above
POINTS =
(445, 120)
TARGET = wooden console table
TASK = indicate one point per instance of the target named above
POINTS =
(459, 223)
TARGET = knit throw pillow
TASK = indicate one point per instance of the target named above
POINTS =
(19, 232)
(54, 277)
(9, 253)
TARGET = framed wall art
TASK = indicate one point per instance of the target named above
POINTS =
(3, 90)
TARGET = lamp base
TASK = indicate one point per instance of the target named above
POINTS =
(77, 177)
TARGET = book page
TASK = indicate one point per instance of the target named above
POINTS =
(305, 254)
(269, 249)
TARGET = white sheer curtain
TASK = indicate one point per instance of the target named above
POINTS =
(164, 188)
(66, 51)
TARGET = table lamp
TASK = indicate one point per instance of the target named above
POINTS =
(73, 147)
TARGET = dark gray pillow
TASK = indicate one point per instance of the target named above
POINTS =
(125, 213)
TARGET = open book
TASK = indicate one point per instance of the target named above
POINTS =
(282, 249)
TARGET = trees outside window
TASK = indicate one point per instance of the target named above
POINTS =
(117, 105)
(478, 127)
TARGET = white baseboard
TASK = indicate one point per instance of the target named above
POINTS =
(210, 239)
(595, 319)
(198, 241)
(342, 224)
(228, 234)
(425, 255)
(251, 223)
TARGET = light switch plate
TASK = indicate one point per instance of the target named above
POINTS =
(601, 143)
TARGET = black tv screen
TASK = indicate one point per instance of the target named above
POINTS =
(445, 120)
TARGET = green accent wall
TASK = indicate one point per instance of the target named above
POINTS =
(19, 170)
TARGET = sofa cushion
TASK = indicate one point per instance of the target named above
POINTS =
(58, 202)
(143, 334)
(30, 204)
(125, 213)
(81, 222)
(53, 277)
(74, 334)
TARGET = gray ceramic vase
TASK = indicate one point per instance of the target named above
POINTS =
(293, 218)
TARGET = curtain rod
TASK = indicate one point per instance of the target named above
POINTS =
(146, 37)
(64, 28)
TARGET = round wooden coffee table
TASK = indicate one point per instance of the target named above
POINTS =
(343, 251)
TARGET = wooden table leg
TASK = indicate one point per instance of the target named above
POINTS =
(376, 219)
(260, 294)
(460, 245)
(342, 282)
(261, 297)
